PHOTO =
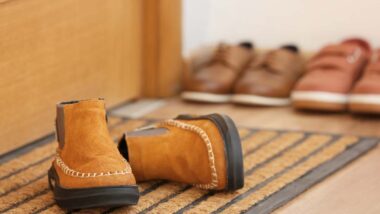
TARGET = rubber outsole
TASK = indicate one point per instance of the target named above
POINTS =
(233, 149)
(319, 101)
(260, 100)
(320, 96)
(206, 97)
(319, 106)
(370, 99)
(81, 198)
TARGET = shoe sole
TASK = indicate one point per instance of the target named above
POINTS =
(260, 100)
(232, 143)
(82, 198)
(368, 103)
(206, 97)
(322, 101)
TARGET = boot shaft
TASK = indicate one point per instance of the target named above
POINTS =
(72, 116)
(82, 131)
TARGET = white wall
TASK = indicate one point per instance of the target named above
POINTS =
(270, 23)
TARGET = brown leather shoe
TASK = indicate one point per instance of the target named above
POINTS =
(365, 97)
(201, 150)
(211, 77)
(88, 170)
(331, 75)
(269, 80)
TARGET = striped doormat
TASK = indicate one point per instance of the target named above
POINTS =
(279, 165)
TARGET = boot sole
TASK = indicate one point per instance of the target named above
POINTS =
(82, 198)
(365, 103)
(320, 101)
(206, 97)
(260, 100)
(232, 143)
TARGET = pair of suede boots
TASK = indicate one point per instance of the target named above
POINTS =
(89, 170)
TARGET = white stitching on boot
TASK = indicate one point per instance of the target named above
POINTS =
(68, 171)
(210, 152)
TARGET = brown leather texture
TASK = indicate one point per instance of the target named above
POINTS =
(217, 72)
(177, 154)
(335, 68)
(89, 148)
(370, 81)
(272, 74)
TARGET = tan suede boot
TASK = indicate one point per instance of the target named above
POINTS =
(201, 150)
(88, 170)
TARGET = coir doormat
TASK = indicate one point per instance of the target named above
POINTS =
(279, 165)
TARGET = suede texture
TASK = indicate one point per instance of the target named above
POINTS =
(178, 155)
(89, 148)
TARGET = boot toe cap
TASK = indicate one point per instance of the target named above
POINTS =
(88, 176)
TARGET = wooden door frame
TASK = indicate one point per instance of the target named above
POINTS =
(162, 57)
